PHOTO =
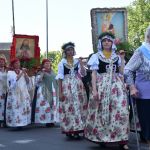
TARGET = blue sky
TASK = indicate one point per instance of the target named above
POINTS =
(69, 20)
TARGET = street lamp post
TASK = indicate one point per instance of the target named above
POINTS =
(13, 17)
(47, 28)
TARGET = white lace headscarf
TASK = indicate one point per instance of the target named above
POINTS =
(66, 46)
(99, 46)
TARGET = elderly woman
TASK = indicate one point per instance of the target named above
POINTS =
(3, 87)
(140, 89)
(107, 119)
(46, 100)
(72, 94)
(18, 106)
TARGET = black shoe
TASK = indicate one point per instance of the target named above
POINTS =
(124, 147)
(142, 139)
(102, 145)
(77, 136)
(5, 126)
(50, 125)
(2, 125)
(17, 128)
(69, 135)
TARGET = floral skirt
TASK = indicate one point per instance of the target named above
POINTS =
(47, 110)
(2, 105)
(108, 117)
(18, 113)
(73, 109)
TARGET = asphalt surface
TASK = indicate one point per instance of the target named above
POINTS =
(43, 138)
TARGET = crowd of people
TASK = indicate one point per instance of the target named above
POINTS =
(90, 101)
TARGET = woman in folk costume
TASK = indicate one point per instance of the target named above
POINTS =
(72, 94)
(18, 106)
(107, 119)
(3, 88)
(140, 89)
(46, 107)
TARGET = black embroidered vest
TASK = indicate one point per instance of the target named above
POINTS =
(104, 65)
(67, 69)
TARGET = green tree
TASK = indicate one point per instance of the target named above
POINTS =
(127, 47)
(55, 56)
(138, 21)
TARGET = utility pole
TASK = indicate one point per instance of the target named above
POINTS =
(47, 28)
(13, 17)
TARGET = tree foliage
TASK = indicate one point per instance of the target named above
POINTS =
(138, 21)
(55, 56)
(127, 47)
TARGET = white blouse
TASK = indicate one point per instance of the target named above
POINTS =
(11, 79)
(94, 60)
(60, 74)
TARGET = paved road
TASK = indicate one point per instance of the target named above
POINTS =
(42, 138)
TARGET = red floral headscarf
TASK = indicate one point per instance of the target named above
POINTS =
(44, 61)
(13, 61)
